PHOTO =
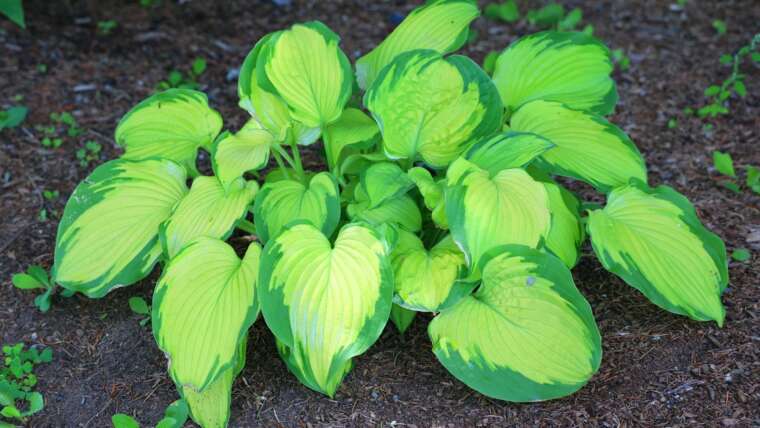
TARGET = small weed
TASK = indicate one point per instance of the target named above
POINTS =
(621, 60)
(42, 68)
(177, 80)
(718, 95)
(12, 117)
(673, 123)
(140, 307)
(36, 278)
(17, 381)
(51, 195)
(175, 416)
(149, 3)
(90, 152)
(506, 11)
(720, 27)
(106, 27)
(741, 255)
(61, 123)
(724, 164)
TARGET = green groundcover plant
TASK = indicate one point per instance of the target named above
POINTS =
(438, 196)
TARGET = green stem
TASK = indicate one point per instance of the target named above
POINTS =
(297, 157)
(282, 166)
(246, 226)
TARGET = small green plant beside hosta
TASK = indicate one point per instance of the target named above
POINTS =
(438, 196)
(18, 400)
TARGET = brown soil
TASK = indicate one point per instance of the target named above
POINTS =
(658, 368)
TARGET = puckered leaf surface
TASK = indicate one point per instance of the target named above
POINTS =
(526, 334)
(108, 235)
(439, 25)
(431, 107)
(569, 68)
(587, 147)
(172, 124)
(654, 241)
(325, 303)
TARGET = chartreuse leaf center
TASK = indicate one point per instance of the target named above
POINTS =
(653, 239)
(108, 235)
(325, 303)
(172, 124)
(430, 107)
(526, 334)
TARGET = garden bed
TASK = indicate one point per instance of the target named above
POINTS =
(658, 368)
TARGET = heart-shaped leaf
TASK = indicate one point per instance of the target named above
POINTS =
(284, 201)
(486, 211)
(325, 303)
(426, 280)
(526, 334)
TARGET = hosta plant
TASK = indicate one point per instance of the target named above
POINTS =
(438, 195)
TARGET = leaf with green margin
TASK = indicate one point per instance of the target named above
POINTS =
(307, 69)
(172, 124)
(267, 108)
(441, 26)
(207, 210)
(281, 202)
(487, 211)
(203, 305)
(427, 280)
(570, 68)
(507, 150)
(247, 150)
(402, 318)
(14, 10)
(382, 182)
(211, 407)
(108, 235)
(325, 303)
(588, 147)
(401, 210)
(353, 127)
(526, 334)
(431, 107)
(654, 241)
